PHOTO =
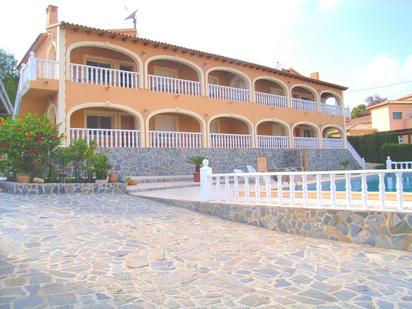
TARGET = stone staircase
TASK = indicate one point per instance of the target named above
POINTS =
(157, 183)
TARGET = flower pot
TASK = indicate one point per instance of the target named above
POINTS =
(131, 182)
(114, 178)
(23, 178)
(196, 176)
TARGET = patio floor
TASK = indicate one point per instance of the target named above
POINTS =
(107, 251)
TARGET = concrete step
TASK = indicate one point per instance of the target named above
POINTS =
(158, 186)
(156, 179)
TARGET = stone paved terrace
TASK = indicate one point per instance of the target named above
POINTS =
(98, 251)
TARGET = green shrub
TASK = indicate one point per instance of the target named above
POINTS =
(27, 146)
(98, 165)
(397, 152)
(369, 146)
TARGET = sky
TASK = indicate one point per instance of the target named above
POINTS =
(361, 44)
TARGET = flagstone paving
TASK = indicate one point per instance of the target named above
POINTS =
(121, 251)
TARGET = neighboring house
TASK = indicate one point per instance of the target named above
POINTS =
(5, 105)
(390, 115)
(124, 90)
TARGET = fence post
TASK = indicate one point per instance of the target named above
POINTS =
(32, 66)
(205, 181)
(388, 163)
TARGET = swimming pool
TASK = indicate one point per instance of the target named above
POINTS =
(372, 181)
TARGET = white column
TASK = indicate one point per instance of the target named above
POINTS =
(205, 181)
(61, 96)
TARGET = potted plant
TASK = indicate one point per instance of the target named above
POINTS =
(22, 176)
(197, 161)
(100, 166)
(113, 177)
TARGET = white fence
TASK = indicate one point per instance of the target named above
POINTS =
(396, 165)
(221, 140)
(333, 143)
(271, 99)
(305, 105)
(228, 93)
(174, 85)
(331, 109)
(355, 155)
(336, 189)
(272, 142)
(172, 139)
(306, 142)
(107, 137)
(86, 74)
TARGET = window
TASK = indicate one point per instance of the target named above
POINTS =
(400, 139)
(397, 115)
(99, 122)
(410, 115)
(307, 133)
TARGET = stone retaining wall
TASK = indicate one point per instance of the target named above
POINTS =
(172, 161)
(387, 229)
(61, 188)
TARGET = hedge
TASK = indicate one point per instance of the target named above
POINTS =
(397, 152)
(369, 146)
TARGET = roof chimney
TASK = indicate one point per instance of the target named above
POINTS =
(314, 75)
(52, 15)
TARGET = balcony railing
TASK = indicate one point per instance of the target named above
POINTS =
(271, 99)
(272, 142)
(333, 143)
(172, 139)
(305, 105)
(174, 85)
(86, 74)
(331, 109)
(220, 140)
(107, 137)
(228, 93)
(306, 142)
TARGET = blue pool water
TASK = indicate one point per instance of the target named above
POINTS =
(372, 181)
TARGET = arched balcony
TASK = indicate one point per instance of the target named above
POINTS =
(108, 127)
(271, 93)
(333, 138)
(228, 85)
(305, 136)
(230, 132)
(304, 98)
(272, 135)
(175, 130)
(104, 67)
(330, 103)
(166, 75)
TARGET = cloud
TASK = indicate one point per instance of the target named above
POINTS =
(328, 5)
(379, 71)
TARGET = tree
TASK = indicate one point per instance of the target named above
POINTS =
(9, 74)
(375, 99)
(359, 111)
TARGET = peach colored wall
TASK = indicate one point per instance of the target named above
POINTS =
(81, 54)
(380, 119)
(77, 119)
(33, 105)
(270, 128)
(183, 71)
(301, 93)
(299, 131)
(224, 78)
(231, 126)
(265, 86)
(406, 121)
(185, 123)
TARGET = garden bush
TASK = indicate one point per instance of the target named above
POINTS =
(369, 146)
(397, 152)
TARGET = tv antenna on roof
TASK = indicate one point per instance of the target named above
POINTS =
(132, 16)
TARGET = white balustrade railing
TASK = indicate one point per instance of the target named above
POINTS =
(271, 99)
(396, 165)
(221, 140)
(47, 69)
(305, 105)
(357, 189)
(172, 139)
(107, 137)
(86, 74)
(355, 155)
(272, 142)
(228, 93)
(333, 143)
(331, 109)
(174, 85)
(306, 142)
